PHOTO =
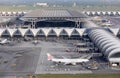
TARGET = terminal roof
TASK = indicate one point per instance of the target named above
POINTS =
(55, 13)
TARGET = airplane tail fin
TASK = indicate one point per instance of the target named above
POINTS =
(3, 41)
(50, 57)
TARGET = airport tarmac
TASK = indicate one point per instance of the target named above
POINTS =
(56, 49)
(115, 21)
(28, 58)
(19, 60)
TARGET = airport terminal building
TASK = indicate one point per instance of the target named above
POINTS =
(66, 24)
(54, 18)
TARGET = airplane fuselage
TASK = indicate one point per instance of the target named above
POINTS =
(70, 60)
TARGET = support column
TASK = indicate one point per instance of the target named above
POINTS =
(6, 26)
(33, 24)
(77, 23)
(22, 24)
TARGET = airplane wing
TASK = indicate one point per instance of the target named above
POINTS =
(64, 57)
(66, 63)
(83, 56)
(86, 56)
(89, 56)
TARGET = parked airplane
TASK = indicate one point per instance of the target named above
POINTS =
(35, 42)
(107, 24)
(4, 41)
(67, 61)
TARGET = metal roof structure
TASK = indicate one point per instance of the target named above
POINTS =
(115, 31)
(46, 31)
(109, 13)
(54, 13)
(42, 31)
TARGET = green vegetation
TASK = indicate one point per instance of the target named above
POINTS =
(78, 76)
(15, 8)
(80, 7)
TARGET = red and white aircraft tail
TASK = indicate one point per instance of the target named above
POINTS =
(50, 57)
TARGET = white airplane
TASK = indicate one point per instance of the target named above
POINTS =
(67, 61)
(107, 24)
(35, 42)
(4, 41)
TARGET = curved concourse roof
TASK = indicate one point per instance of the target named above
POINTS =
(107, 43)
